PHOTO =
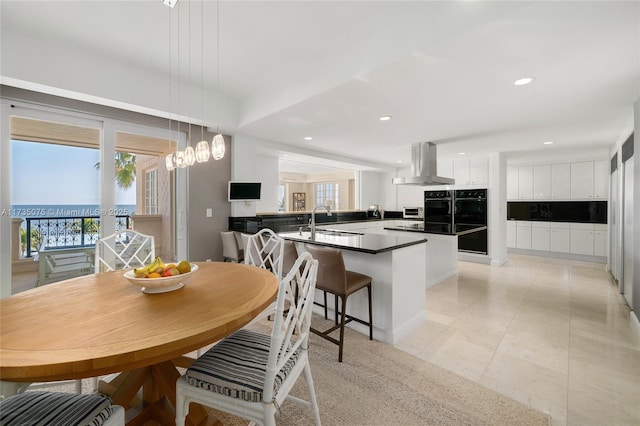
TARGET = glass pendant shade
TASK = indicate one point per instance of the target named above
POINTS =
(217, 147)
(180, 163)
(189, 156)
(202, 152)
(170, 161)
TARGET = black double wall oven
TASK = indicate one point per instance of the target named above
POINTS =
(470, 220)
(438, 212)
(461, 212)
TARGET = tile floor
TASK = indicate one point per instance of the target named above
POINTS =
(553, 334)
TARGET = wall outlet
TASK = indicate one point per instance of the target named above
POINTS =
(208, 260)
(209, 212)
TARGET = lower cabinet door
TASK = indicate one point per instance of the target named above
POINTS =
(559, 240)
(582, 242)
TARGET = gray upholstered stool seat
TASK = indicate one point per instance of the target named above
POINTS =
(59, 409)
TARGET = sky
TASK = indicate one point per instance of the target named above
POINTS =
(43, 173)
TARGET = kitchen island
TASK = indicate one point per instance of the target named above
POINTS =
(396, 264)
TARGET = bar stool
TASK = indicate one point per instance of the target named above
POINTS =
(230, 250)
(334, 278)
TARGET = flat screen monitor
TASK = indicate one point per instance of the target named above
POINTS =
(244, 191)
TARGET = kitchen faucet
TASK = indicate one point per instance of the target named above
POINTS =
(313, 219)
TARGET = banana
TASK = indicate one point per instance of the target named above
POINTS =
(152, 267)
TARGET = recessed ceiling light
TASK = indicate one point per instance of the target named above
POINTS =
(308, 138)
(523, 81)
(462, 153)
(398, 161)
(548, 142)
(385, 118)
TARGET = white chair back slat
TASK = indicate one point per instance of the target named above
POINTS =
(291, 329)
(124, 250)
(265, 249)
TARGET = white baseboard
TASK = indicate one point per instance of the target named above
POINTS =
(635, 324)
(558, 255)
(473, 257)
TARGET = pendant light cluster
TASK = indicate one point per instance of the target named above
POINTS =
(202, 153)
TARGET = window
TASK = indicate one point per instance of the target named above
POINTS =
(327, 193)
(151, 191)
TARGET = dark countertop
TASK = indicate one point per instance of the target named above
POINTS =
(354, 241)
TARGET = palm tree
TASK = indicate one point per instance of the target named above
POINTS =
(125, 169)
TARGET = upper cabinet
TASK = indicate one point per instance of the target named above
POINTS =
(525, 183)
(582, 180)
(601, 179)
(512, 183)
(561, 181)
(585, 180)
(542, 182)
(474, 172)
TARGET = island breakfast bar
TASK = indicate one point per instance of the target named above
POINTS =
(397, 268)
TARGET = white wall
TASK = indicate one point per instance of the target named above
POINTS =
(267, 172)
(371, 190)
(497, 208)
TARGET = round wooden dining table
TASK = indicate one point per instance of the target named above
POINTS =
(100, 324)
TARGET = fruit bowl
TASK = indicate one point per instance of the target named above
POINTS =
(160, 285)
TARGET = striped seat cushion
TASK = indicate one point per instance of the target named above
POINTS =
(54, 409)
(236, 367)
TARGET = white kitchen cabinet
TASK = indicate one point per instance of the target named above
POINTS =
(512, 183)
(540, 236)
(582, 180)
(582, 238)
(473, 171)
(561, 181)
(525, 183)
(542, 182)
(479, 171)
(445, 168)
(461, 171)
(600, 240)
(601, 179)
(512, 234)
(560, 237)
(523, 234)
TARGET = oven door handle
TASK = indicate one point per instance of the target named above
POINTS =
(471, 231)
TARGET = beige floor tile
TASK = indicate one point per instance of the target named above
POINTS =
(459, 355)
(529, 378)
(548, 348)
(556, 409)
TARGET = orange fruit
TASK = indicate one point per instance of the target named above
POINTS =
(154, 275)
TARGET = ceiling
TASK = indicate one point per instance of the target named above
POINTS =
(444, 70)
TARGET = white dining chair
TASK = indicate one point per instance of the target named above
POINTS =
(124, 250)
(250, 374)
(265, 249)
(59, 408)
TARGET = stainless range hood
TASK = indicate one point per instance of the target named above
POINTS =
(424, 167)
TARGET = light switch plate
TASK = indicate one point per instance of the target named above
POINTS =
(209, 212)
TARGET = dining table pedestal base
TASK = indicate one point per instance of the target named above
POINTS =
(157, 385)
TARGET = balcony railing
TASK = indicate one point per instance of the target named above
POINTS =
(66, 232)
